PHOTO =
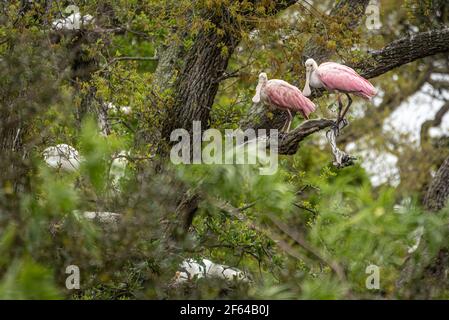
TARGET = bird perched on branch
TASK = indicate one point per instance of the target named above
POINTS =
(337, 77)
(282, 95)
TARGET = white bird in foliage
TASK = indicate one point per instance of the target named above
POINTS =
(101, 216)
(118, 167)
(62, 156)
(75, 21)
(119, 109)
(192, 269)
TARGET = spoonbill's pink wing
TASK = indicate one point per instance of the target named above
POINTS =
(285, 96)
(339, 77)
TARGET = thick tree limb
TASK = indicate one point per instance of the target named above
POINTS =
(196, 86)
(289, 144)
(405, 50)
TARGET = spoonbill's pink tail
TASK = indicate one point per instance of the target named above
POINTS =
(342, 78)
(286, 96)
(308, 108)
(367, 90)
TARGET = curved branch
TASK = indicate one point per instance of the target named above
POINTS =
(405, 50)
(289, 144)
(435, 122)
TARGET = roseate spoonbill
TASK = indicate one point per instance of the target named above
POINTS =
(337, 77)
(281, 94)
(62, 156)
(190, 268)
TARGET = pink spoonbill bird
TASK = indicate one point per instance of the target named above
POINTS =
(337, 77)
(282, 95)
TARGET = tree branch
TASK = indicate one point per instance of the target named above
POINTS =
(289, 144)
(435, 122)
(405, 50)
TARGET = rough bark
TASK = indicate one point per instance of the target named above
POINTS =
(167, 65)
(289, 144)
(197, 84)
(405, 50)
(187, 208)
(438, 192)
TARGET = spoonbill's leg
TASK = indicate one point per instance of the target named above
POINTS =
(347, 107)
(340, 107)
(285, 124)
(290, 118)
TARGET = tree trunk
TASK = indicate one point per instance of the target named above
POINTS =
(433, 277)
(197, 85)
(438, 192)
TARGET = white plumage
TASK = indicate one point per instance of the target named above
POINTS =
(191, 269)
(101, 216)
(123, 109)
(73, 22)
(62, 156)
(118, 167)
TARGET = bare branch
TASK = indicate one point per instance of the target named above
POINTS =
(290, 143)
(436, 121)
(405, 50)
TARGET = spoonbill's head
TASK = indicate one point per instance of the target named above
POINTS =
(262, 81)
(311, 65)
(263, 77)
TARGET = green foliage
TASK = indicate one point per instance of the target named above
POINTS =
(26, 279)
(306, 232)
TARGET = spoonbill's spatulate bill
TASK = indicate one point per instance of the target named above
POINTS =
(282, 95)
(337, 77)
